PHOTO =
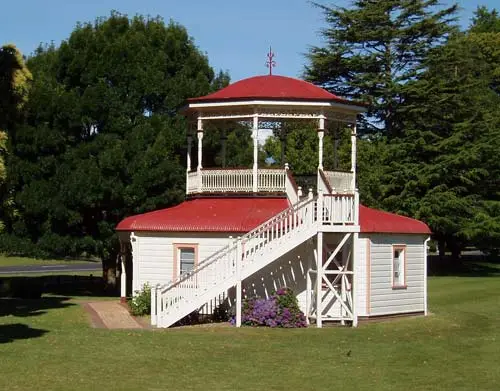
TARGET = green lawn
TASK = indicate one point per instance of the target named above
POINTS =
(24, 261)
(48, 345)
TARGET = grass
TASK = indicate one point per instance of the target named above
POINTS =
(48, 344)
(24, 261)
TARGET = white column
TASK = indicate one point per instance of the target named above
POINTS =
(308, 289)
(319, 279)
(321, 134)
(123, 274)
(255, 135)
(426, 241)
(238, 284)
(200, 144)
(353, 156)
(190, 144)
(354, 285)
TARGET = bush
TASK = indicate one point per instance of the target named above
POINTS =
(279, 310)
(140, 304)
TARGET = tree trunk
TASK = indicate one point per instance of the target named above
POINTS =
(109, 272)
(441, 248)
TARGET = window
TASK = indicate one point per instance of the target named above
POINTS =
(186, 259)
(399, 267)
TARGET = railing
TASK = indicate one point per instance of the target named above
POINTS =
(231, 260)
(235, 180)
(340, 181)
(340, 209)
(250, 253)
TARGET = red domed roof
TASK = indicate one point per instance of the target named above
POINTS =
(270, 87)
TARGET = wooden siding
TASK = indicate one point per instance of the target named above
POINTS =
(154, 253)
(383, 299)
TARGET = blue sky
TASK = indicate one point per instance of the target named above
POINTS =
(235, 34)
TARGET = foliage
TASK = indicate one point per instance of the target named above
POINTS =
(445, 171)
(140, 304)
(373, 49)
(15, 82)
(301, 148)
(102, 138)
(279, 310)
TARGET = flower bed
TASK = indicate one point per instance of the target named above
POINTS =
(279, 310)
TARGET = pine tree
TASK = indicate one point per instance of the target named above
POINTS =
(445, 169)
(373, 49)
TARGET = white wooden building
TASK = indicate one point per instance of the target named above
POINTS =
(248, 232)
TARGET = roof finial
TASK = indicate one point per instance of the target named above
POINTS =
(270, 63)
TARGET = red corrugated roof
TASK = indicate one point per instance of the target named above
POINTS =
(270, 87)
(244, 214)
(378, 221)
(208, 215)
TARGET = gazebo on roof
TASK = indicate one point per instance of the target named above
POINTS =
(264, 102)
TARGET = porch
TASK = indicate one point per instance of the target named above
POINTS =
(264, 180)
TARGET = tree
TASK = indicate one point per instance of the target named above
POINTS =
(373, 49)
(102, 138)
(445, 170)
(15, 81)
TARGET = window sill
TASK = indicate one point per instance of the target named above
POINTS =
(398, 287)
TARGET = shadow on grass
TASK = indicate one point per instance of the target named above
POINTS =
(31, 307)
(14, 331)
(467, 266)
(66, 285)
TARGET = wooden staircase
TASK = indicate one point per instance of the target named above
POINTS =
(248, 254)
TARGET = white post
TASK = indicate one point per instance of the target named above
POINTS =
(200, 144)
(353, 156)
(188, 162)
(356, 206)
(238, 283)
(425, 275)
(154, 313)
(321, 134)
(319, 207)
(190, 144)
(123, 276)
(319, 279)
(354, 287)
(308, 289)
(255, 135)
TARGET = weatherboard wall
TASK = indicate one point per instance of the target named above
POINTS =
(383, 298)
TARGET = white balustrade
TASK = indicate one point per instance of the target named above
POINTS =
(339, 209)
(235, 180)
(340, 181)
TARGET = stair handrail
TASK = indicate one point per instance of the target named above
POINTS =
(230, 247)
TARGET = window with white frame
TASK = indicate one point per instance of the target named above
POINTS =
(186, 259)
(398, 266)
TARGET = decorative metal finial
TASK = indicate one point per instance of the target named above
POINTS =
(270, 63)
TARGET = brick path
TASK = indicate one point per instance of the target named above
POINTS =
(111, 315)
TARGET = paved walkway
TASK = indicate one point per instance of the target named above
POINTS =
(111, 315)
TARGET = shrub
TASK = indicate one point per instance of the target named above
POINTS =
(279, 310)
(140, 304)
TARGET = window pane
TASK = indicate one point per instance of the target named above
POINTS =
(186, 256)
